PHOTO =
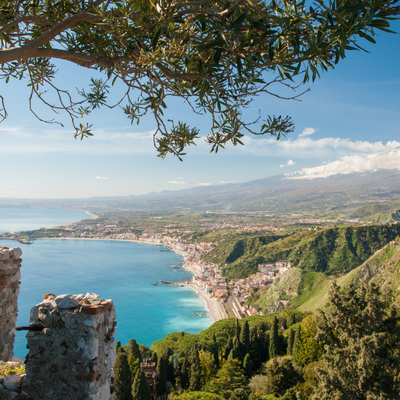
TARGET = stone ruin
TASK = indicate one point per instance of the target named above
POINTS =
(70, 340)
(10, 275)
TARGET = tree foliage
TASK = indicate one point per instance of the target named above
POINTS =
(215, 55)
(274, 339)
(228, 378)
(308, 349)
(122, 376)
(360, 333)
(282, 375)
(140, 389)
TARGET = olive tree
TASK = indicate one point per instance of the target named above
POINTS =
(215, 55)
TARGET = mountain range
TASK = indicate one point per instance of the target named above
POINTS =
(331, 188)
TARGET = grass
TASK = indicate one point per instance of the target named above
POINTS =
(6, 370)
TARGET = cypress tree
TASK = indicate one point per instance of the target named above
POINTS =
(247, 365)
(237, 349)
(274, 339)
(245, 338)
(195, 370)
(290, 340)
(296, 341)
(140, 390)
(169, 367)
(161, 383)
(122, 377)
(133, 349)
(184, 373)
(228, 348)
(291, 319)
(117, 346)
(237, 329)
(215, 351)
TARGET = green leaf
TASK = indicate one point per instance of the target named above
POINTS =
(155, 39)
(239, 20)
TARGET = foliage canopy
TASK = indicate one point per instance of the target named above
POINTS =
(360, 333)
(213, 54)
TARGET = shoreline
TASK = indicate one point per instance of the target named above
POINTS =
(91, 214)
(211, 304)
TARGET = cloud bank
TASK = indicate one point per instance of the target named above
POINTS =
(350, 164)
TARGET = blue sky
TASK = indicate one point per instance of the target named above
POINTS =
(352, 111)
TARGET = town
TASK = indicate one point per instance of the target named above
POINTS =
(208, 278)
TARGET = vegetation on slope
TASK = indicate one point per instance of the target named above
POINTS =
(334, 250)
(287, 355)
(307, 291)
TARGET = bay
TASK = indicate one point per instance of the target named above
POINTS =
(122, 271)
(27, 219)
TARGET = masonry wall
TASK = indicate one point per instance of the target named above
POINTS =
(71, 350)
(10, 275)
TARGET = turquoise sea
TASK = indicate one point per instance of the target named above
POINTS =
(122, 271)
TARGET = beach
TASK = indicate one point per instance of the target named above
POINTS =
(214, 310)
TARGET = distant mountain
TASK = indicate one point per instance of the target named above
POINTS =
(340, 192)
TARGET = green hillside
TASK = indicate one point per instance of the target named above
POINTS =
(333, 250)
(387, 217)
(307, 291)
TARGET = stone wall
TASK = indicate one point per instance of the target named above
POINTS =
(10, 275)
(71, 350)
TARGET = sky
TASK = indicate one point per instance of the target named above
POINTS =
(349, 115)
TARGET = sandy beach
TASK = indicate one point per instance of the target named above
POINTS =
(214, 310)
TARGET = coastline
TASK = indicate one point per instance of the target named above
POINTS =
(91, 214)
(211, 304)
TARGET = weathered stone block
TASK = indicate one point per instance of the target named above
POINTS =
(9, 289)
(16, 252)
(66, 301)
(72, 357)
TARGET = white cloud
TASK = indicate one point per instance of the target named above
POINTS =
(177, 182)
(306, 146)
(100, 177)
(349, 164)
(224, 182)
(53, 140)
(307, 132)
(203, 184)
(288, 164)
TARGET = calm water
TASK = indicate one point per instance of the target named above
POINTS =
(27, 219)
(122, 271)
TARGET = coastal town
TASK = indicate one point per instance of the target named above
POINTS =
(223, 297)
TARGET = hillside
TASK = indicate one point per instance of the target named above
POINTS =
(388, 217)
(307, 291)
(334, 250)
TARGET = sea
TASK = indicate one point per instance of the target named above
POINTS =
(125, 272)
